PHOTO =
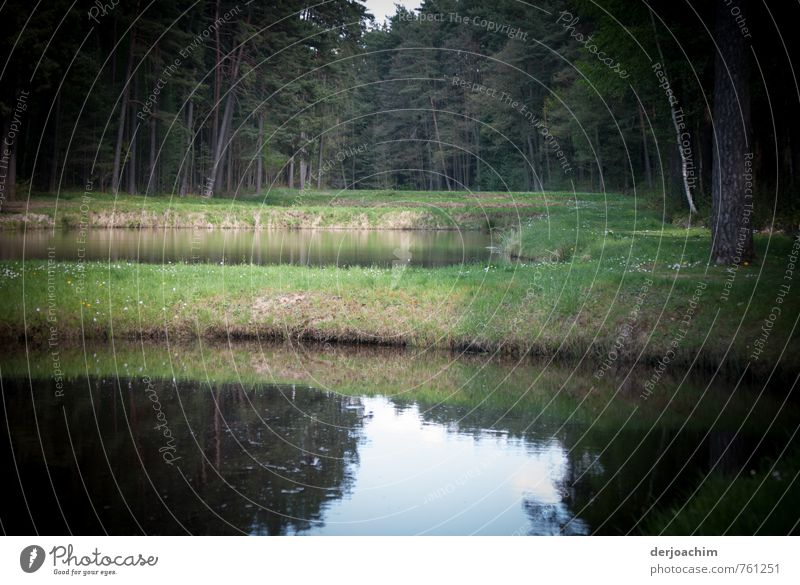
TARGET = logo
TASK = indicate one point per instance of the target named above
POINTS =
(31, 558)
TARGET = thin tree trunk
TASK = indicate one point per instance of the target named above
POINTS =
(229, 170)
(11, 164)
(531, 174)
(291, 173)
(684, 163)
(477, 157)
(648, 171)
(115, 174)
(260, 152)
(701, 157)
(439, 142)
(152, 181)
(788, 163)
(187, 171)
(222, 134)
(217, 78)
(54, 161)
(219, 148)
(599, 159)
(303, 163)
(546, 149)
(731, 229)
(319, 161)
(132, 147)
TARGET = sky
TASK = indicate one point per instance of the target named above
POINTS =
(382, 9)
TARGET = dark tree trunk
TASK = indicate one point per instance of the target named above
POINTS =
(134, 130)
(303, 163)
(219, 149)
(11, 165)
(222, 133)
(217, 77)
(229, 170)
(54, 162)
(186, 184)
(319, 161)
(477, 157)
(152, 180)
(439, 142)
(648, 172)
(601, 178)
(731, 198)
(123, 109)
(546, 149)
(260, 152)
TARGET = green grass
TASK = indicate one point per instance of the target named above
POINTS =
(594, 228)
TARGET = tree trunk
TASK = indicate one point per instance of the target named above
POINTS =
(152, 180)
(648, 171)
(684, 163)
(303, 163)
(546, 149)
(532, 175)
(229, 170)
(477, 157)
(225, 124)
(54, 161)
(319, 161)
(11, 165)
(701, 157)
(260, 152)
(219, 148)
(132, 146)
(600, 176)
(439, 142)
(731, 199)
(291, 173)
(115, 174)
(217, 77)
(187, 171)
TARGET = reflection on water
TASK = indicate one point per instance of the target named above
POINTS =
(308, 247)
(418, 477)
(280, 440)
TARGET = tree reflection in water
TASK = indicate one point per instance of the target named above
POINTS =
(263, 461)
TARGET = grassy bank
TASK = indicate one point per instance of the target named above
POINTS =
(540, 308)
(595, 276)
(280, 208)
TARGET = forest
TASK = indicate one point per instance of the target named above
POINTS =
(220, 99)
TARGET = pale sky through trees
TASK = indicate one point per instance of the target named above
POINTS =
(383, 9)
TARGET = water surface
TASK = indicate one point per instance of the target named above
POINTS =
(275, 246)
(249, 439)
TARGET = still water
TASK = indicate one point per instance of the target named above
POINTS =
(261, 439)
(307, 247)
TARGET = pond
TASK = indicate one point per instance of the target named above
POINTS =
(281, 439)
(277, 246)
